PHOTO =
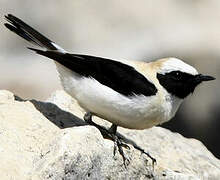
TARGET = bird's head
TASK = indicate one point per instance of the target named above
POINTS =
(179, 78)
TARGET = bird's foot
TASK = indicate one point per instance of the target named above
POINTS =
(117, 139)
(154, 161)
(110, 134)
(118, 144)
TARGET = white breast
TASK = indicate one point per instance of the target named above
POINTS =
(137, 112)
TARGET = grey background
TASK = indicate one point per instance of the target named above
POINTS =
(119, 29)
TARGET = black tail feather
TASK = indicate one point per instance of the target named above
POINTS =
(19, 27)
(22, 34)
(55, 55)
(38, 51)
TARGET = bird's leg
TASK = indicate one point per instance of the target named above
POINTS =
(110, 134)
(113, 129)
(105, 133)
(118, 144)
(88, 117)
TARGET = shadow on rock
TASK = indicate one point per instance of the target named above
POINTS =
(64, 119)
(53, 113)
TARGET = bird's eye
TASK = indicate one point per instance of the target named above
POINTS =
(177, 74)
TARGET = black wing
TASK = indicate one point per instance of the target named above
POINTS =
(116, 75)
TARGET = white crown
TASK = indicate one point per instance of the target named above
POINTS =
(174, 64)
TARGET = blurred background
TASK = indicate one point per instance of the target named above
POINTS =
(120, 29)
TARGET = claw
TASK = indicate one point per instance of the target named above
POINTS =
(115, 148)
(126, 161)
(118, 144)
(126, 146)
(154, 161)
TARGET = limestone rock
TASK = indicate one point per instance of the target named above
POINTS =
(48, 140)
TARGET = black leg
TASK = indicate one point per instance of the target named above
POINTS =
(110, 134)
(129, 141)
(88, 117)
(117, 139)
(118, 144)
(113, 129)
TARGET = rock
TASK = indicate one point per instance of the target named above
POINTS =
(48, 140)
(24, 132)
(6, 96)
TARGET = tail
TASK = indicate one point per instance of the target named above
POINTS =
(25, 31)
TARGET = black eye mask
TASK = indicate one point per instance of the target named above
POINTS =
(178, 83)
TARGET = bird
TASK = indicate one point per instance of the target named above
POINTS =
(130, 94)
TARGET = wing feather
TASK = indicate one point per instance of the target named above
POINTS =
(116, 75)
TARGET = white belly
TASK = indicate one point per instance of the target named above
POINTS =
(137, 112)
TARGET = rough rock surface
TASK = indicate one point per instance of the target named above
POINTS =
(48, 140)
